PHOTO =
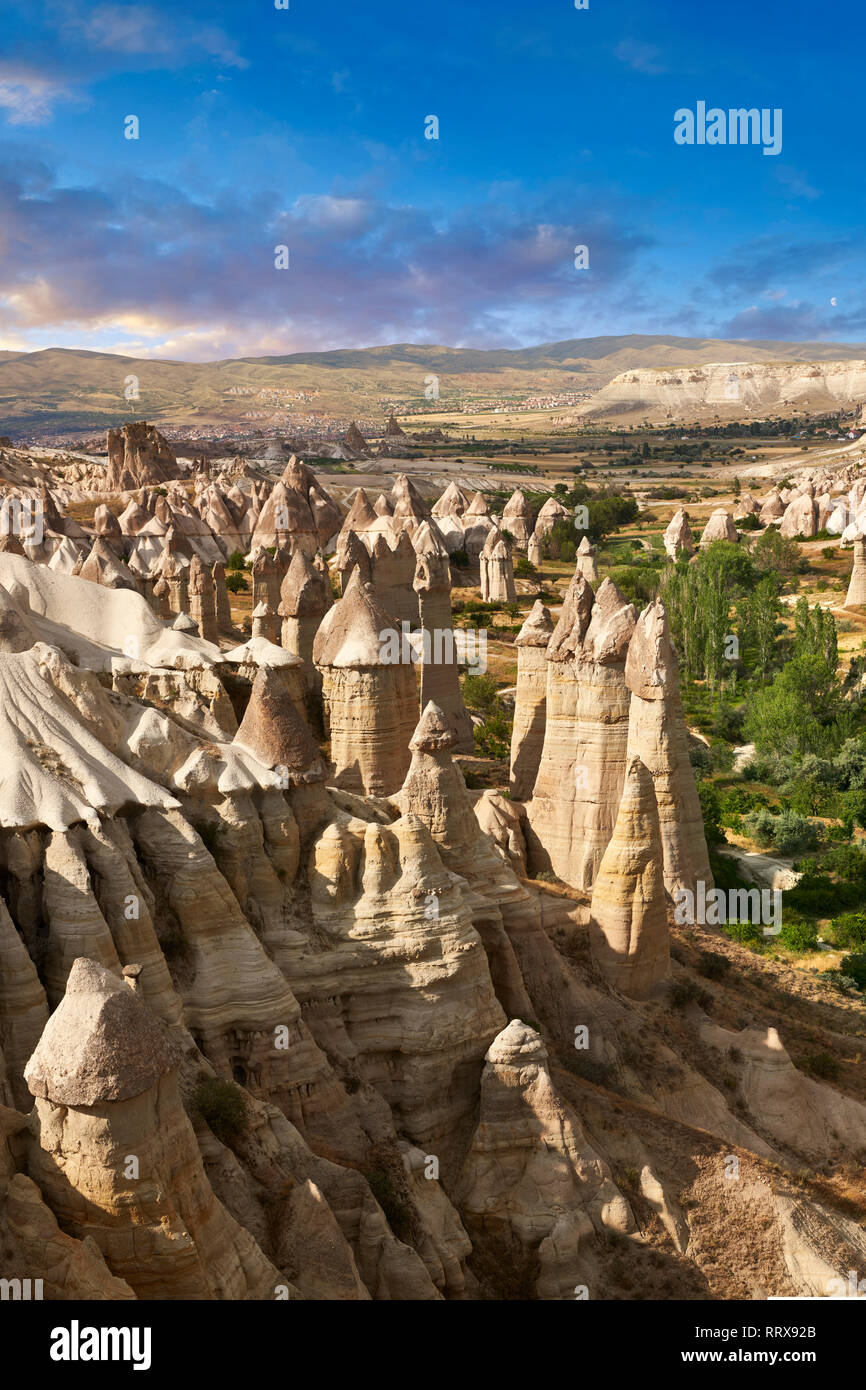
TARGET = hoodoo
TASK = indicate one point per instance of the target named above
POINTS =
(368, 687)
(629, 926)
(439, 674)
(530, 702)
(856, 595)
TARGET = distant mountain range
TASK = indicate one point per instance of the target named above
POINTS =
(60, 389)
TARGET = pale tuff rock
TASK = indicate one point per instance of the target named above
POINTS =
(500, 819)
(678, 538)
(305, 597)
(533, 550)
(720, 527)
(351, 555)
(105, 1079)
(453, 502)
(440, 680)
(435, 792)
(274, 733)
(383, 506)
(394, 430)
(202, 600)
(856, 595)
(408, 970)
(266, 623)
(103, 567)
(23, 1007)
(497, 570)
(105, 523)
(369, 692)
(58, 770)
(586, 561)
(77, 926)
(747, 506)
(657, 735)
(477, 525)
(175, 574)
(355, 441)
(392, 572)
(531, 1174)
(221, 596)
(30, 1239)
(360, 519)
(800, 517)
(410, 509)
(138, 456)
(530, 702)
(444, 1244)
(582, 768)
(517, 518)
(551, 512)
(629, 926)
(266, 578)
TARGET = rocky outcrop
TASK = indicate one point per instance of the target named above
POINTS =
(305, 597)
(629, 926)
(202, 600)
(531, 1177)
(657, 736)
(530, 701)
(497, 571)
(800, 517)
(138, 456)
(577, 789)
(586, 561)
(678, 538)
(105, 1078)
(720, 527)
(518, 519)
(368, 689)
(440, 680)
(856, 595)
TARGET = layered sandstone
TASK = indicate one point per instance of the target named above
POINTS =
(530, 701)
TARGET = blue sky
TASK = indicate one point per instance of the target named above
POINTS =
(305, 127)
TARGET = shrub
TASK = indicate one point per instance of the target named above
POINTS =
(236, 560)
(821, 1064)
(683, 992)
(713, 967)
(235, 583)
(799, 935)
(222, 1106)
(849, 929)
(712, 813)
(479, 692)
(855, 968)
(523, 568)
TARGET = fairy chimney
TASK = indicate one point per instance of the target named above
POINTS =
(530, 701)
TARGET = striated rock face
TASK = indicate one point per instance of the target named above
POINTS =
(531, 1177)
(533, 550)
(439, 671)
(580, 775)
(305, 597)
(657, 736)
(105, 1080)
(628, 926)
(856, 595)
(720, 527)
(678, 536)
(202, 600)
(497, 571)
(530, 701)
(368, 689)
(392, 572)
(138, 456)
(274, 732)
